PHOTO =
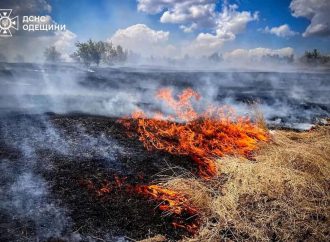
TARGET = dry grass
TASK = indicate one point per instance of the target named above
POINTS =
(282, 195)
(157, 238)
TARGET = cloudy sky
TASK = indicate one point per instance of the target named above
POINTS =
(179, 27)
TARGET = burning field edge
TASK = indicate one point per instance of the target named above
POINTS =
(283, 195)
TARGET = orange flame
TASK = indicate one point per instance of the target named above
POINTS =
(177, 205)
(203, 136)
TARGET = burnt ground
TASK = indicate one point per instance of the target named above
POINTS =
(119, 214)
(44, 158)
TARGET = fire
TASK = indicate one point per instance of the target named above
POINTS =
(172, 203)
(203, 136)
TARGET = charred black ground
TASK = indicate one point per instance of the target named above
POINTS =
(120, 213)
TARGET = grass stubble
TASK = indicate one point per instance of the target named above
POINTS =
(282, 195)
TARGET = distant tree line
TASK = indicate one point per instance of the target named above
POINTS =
(91, 52)
(315, 57)
(101, 52)
(278, 58)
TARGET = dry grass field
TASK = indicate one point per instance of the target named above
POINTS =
(282, 195)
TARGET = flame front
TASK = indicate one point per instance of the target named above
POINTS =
(203, 136)
(172, 203)
(216, 132)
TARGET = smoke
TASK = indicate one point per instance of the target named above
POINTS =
(27, 209)
(286, 99)
(289, 97)
(28, 91)
(26, 201)
(39, 89)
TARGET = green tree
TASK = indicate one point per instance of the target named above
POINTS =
(121, 54)
(52, 55)
(83, 53)
(97, 52)
(89, 52)
(110, 53)
(215, 57)
(312, 55)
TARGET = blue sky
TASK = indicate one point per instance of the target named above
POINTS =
(276, 13)
(102, 18)
(99, 19)
(176, 28)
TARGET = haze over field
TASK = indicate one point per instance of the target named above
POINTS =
(289, 99)
(200, 120)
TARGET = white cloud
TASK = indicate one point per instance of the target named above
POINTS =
(178, 11)
(143, 40)
(32, 44)
(153, 6)
(26, 7)
(189, 29)
(317, 11)
(201, 14)
(281, 31)
(64, 41)
(246, 55)
(204, 44)
(194, 14)
(229, 23)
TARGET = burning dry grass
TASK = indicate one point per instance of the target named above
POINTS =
(282, 195)
(171, 203)
(215, 132)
